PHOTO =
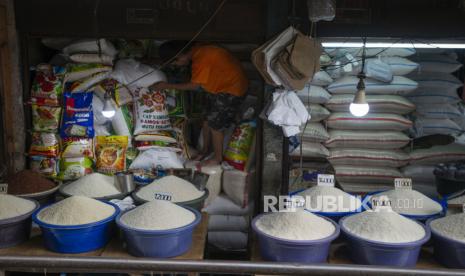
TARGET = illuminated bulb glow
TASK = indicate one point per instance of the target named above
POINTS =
(108, 109)
(394, 45)
(108, 113)
(359, 110)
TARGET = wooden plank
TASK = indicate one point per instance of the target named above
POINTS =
(7, 97)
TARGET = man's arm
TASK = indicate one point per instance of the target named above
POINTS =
(179, 86)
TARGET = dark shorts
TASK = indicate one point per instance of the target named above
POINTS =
(221, 110)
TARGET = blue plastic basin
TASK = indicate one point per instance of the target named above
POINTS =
(284, 250)
(77, 238)
(16, 230)
(363, 251)
(449, 252)
(422, 218)
(159, 243)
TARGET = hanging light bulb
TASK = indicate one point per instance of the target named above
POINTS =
(108, 110)
(359, 106)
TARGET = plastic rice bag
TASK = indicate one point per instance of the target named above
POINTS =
(154, 158)
(76, 72)
(151, 111)
(84, 84)
(78, 117)
(44, 165)
(77, 147)
(45, 144)
(47, 86)
(74, 168)
(238, 150)
(111, 153)
(45, 118)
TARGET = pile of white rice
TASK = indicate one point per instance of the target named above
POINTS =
(179, 189)
(411, 202)
(329, 199)
(13, 206)
(93, 185)
(158, 215)
(76, 210)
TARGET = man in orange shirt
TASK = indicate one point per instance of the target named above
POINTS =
(220, 74)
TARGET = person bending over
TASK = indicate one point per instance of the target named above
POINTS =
(217, 72)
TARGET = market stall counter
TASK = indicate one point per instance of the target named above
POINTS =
(114, 249)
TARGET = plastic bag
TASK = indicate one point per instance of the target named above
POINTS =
(74, 168)
(77, 147)
(135, 74)
(100, 46)
(321, 10)
(84, 84)
(45, 118)
(151, 112)
(154, 158)
(111, 153)
(47, 86)
(92, 58)
(44, 165)
(45, 144)
(238, 151)
(165, 136)
(76, 72)
(175, 102)
(145, 145)
(78, 117)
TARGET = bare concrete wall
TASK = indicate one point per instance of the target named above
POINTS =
(17, 88)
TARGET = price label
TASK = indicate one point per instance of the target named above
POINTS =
(3, 188)
(325, 180)
(382, 203)
(163, 196)
(403, 183)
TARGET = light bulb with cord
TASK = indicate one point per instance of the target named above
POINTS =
(359, 106)
(108, 110)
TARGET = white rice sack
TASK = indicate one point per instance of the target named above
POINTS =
(400, 66)
(419, 173)
(366, 139)
(102, 130)
(437, 63)
(378, 103)
(97, 107)
(433, 96)
(366, 175)
(135, 74)
(122, 121)
(313, 94)
(239, 186)
(317, 112)
(85, 84)
(425, 126)
(223, 205)
(348, 85)
(311, 150)
(228, 240)
(437, 154)
(372, 121)
(215, 176)
(92, 58)
(399, 52)
(441, 81)
(91, 46)
(152, 158)
(228, 223)
(438, 111)
(368, 157)
(314, 132)
(321, 78)
(374, 69)
(151, 111)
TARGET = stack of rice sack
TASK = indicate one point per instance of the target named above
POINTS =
(439, 110)
(46, 99)
(313, 96)
(159, 145)
(231, 208)
(366, 151)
